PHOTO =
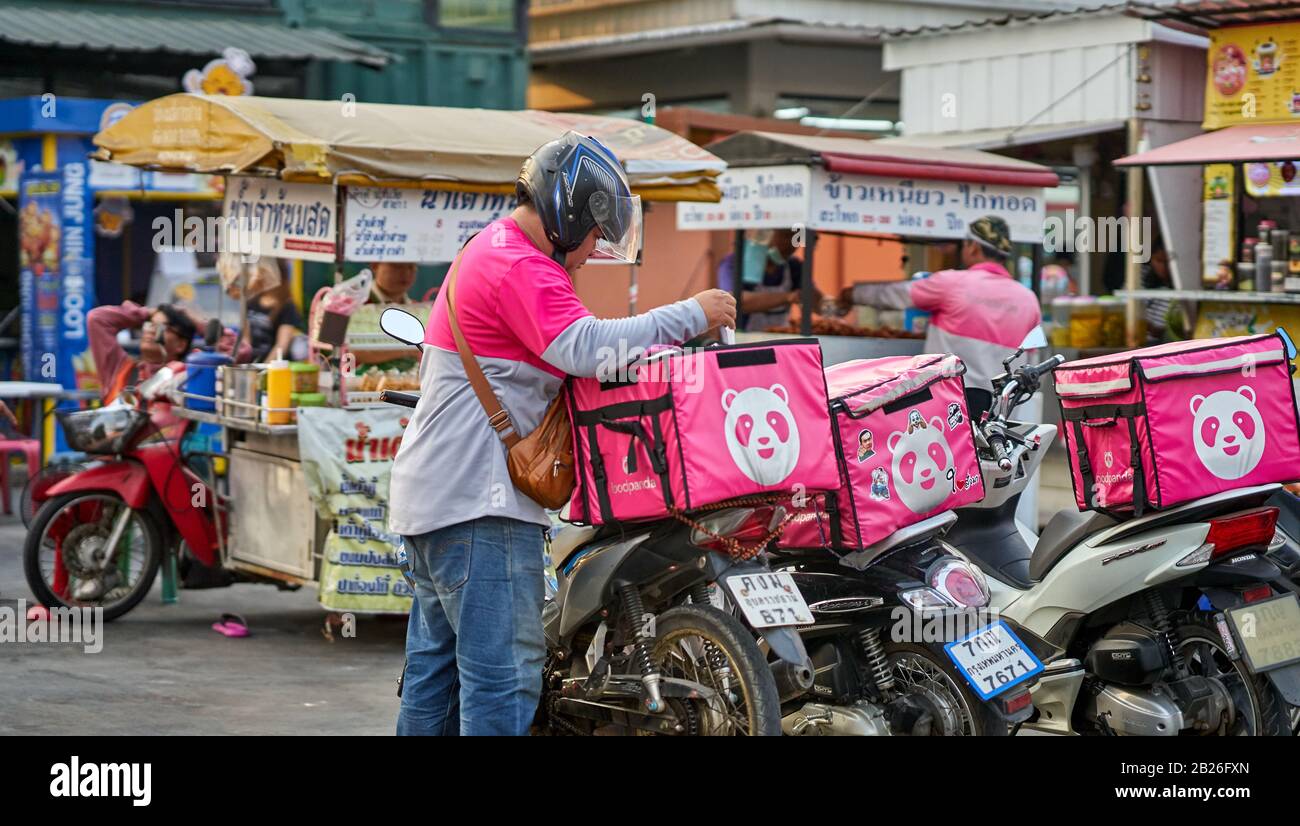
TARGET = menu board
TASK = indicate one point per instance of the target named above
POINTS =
(1253, 75)
(1216, 220)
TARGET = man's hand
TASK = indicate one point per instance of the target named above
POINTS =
(719, 308)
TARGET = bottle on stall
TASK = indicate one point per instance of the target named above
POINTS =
(1263, 267)
(1281, 240)
(1292, 282)
(279, 387)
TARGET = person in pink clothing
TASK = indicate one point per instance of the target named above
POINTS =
(474, 644)
(980, 314)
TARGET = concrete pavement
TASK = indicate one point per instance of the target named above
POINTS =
(163, 670)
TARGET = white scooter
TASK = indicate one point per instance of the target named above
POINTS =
(1165, 624)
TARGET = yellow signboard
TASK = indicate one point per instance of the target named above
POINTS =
(1253, 75)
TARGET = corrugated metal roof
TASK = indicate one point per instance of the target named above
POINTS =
(708, 33)
(114, 32)
(1211, 14)
(1128, 7)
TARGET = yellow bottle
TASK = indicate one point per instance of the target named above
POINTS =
(279, 384)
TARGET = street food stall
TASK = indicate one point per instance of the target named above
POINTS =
(846, 185)
(336, 182)
(1246, 278)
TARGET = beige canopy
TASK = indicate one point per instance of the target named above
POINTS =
(319, 141)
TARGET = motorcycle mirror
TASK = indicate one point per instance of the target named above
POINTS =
(402, 326)
(213, 333)
(1036, 339)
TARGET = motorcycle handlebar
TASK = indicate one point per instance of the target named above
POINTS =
(398, 397)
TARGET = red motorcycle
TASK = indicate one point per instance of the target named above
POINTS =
(100, 535)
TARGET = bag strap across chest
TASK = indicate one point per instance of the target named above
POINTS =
(497, 415)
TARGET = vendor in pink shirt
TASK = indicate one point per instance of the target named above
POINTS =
(981, 314)
(474, 645)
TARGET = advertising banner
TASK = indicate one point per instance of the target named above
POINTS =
(1253, 75)
(293, 220)
(346, 457)
(757, 197)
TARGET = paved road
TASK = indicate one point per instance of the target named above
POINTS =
(163, 670)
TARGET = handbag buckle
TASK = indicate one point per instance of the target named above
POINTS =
(499, 420)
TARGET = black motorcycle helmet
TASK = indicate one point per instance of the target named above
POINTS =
(575, 183)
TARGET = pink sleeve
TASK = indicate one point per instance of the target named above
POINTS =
(538, 302)
(928, 293)
(102, 326)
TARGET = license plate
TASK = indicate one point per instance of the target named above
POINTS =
(769, 600)
(1268, 632)
(993, 659)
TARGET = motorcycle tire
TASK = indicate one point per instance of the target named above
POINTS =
(1269, 708)
(908, 661)
(153, 549)
(757, 687)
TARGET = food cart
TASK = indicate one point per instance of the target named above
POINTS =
(861, 187)
(339, 181)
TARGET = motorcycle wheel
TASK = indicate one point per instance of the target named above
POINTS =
(702, 644)
(936, 683)
(1260, 711)
(88, 517)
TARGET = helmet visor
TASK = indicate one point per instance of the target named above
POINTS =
(619, 219)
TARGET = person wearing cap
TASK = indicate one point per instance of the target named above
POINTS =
(474, 645)
(981, 314)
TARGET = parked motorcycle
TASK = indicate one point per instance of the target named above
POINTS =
(99, 535)
(635, 644)
(1172, 623)
(879, 669)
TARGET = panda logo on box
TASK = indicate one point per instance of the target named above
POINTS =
(761, 433)
(1228, 432)
(922, 459)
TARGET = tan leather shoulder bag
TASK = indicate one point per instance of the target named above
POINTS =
(541, 463)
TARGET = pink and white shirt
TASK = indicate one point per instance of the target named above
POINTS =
(528, 329)
(980, 315)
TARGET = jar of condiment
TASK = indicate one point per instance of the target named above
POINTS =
(1085, 323)
(1112, 321)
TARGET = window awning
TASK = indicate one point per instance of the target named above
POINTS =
(1247, 143)
(138, 33)
(865, 157)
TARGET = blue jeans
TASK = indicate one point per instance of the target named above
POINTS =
(474, 646)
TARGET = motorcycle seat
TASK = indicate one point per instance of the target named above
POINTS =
(1064, 531)
(569, 540)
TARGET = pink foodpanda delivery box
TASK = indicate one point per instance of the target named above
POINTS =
(683, 429)
(904, 446)
(1164, 425)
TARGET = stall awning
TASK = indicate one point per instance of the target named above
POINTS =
(1247, 143)
(99, 31)
(989, 139)
(891, 159)
(320, 141)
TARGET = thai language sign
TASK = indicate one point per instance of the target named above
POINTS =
(424, 226)
(757, 197)
(925, 209)
(292, 220)
(346, 457)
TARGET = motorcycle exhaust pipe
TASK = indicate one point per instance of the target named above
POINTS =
(791, 680)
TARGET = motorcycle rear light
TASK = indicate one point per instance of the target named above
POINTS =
(1018, 702)
(1257, 593)
(960, 584)
(1244, 530)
